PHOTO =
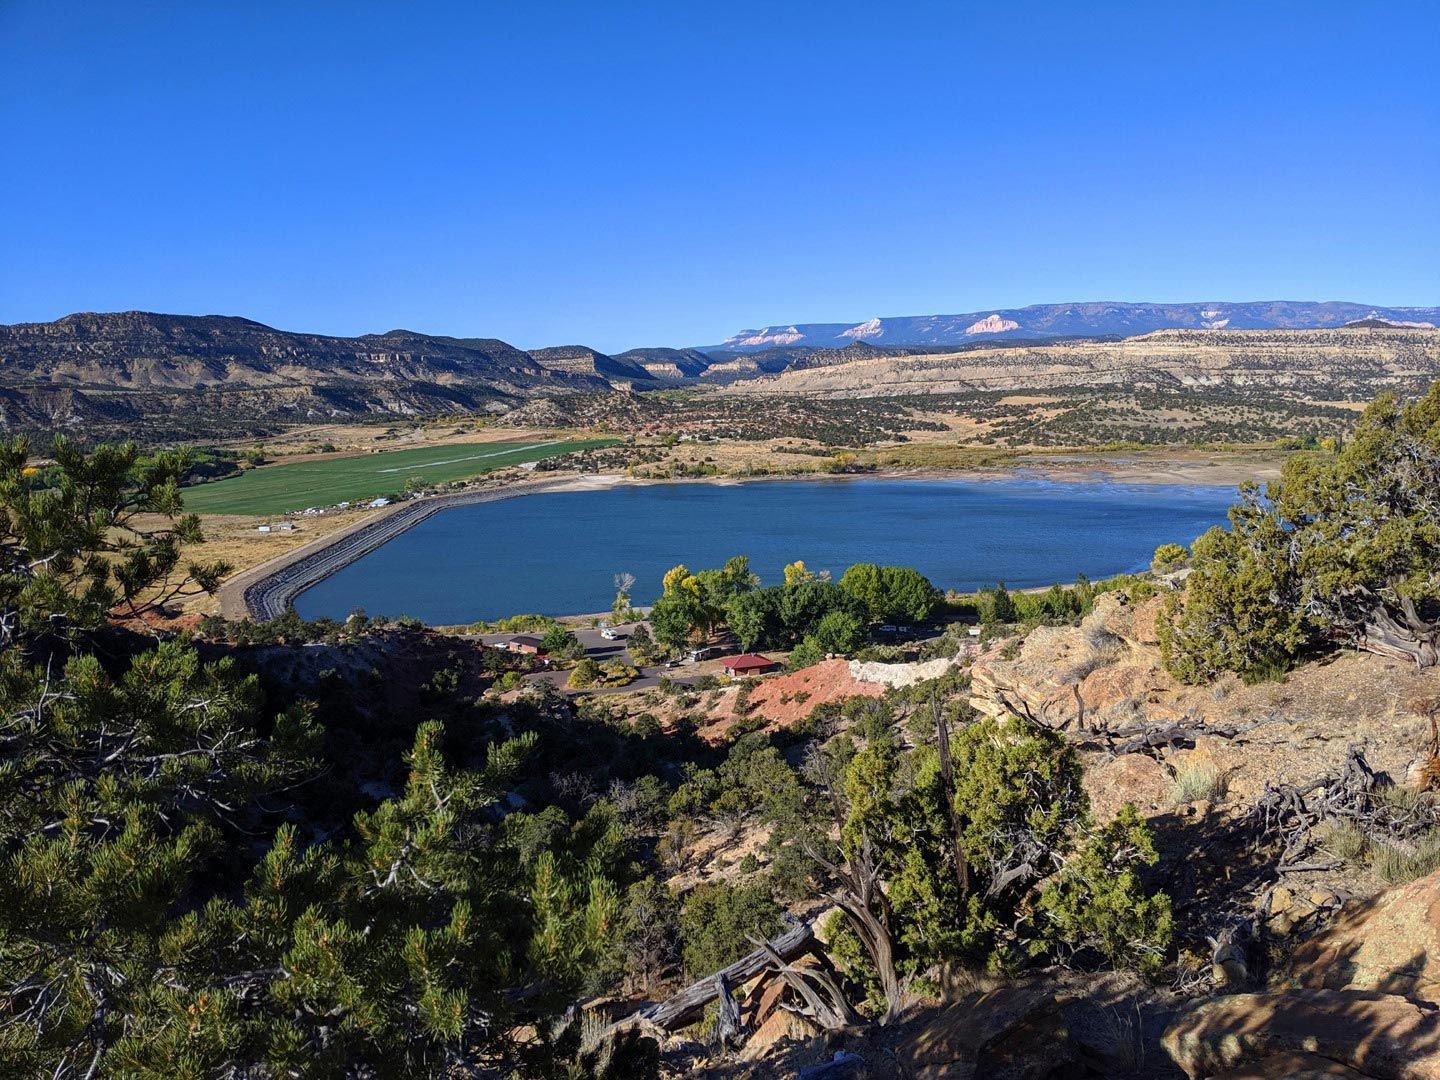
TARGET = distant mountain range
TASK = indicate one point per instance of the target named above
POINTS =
(182, 375)
(1100, 319)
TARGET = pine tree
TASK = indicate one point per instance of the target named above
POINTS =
(75, 538)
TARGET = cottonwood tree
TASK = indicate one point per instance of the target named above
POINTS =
(1344, 547)
(891, 593)
(621, 610)
(692, 605)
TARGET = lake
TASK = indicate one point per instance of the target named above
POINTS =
(558, 553)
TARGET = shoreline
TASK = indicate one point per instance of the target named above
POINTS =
(267, 590)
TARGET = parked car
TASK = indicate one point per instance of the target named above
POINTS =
(609, 635)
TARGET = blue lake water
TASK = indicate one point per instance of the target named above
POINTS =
(559, 553)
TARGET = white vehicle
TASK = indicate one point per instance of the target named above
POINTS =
(609, 635)
(703, 653)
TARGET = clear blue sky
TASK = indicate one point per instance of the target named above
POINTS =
(626, 174)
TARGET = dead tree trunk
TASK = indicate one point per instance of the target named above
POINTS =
(1408, 638)
(861, 898)
(686, 1006)
(825, 1002)
(727, 1029)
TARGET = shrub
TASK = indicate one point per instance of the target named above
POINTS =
(561, 644)
(1396, 865)
(642, 647)
(1344, 839)
(617, 673)
(805, 654)
(1168, 557)
(586, 674)
(1341, 548)
(718, 921)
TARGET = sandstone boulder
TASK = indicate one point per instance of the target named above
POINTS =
(1378, 1035)
(1389, 943)
(1016, 1032)
(1038, 683)
(1133, 778)
(1292, 1067)
(780, 1026)
(1144, 624)
(1080, 678)
(1112, 614)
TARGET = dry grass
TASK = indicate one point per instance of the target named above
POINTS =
(1396, 865)
(1196, 781)
(234, 540)
(1345, 840)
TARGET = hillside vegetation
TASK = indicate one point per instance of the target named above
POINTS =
(166, 378)
(174, 375)
(361, 849)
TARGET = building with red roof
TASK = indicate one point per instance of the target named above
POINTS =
(749, 664)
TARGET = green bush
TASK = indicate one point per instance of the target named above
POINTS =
(1168, 557)
(1343, 547)
(561, 644)
(586, 674)
(718, 921)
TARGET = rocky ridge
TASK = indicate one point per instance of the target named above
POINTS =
(1358, 360)
(163, 372)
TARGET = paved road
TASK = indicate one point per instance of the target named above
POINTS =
(599, 649)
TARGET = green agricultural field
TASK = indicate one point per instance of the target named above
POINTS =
(275, 489)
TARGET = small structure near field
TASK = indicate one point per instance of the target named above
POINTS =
(749, 664)
(523, 644)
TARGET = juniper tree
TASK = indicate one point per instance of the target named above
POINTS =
(933, 866)
(1343, 547)
(153, 919)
